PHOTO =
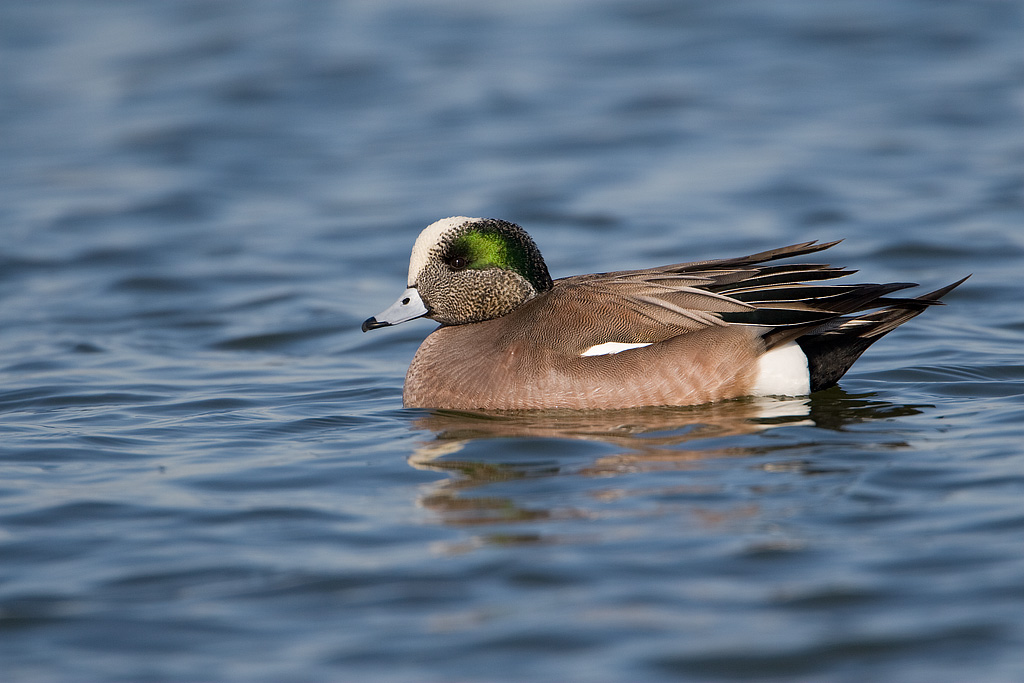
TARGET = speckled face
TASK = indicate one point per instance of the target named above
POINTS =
(473, 269)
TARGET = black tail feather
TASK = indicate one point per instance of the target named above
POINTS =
(833, 347)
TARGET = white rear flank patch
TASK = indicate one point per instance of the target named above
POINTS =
(783, 372)
(430, 236)
(609, 348)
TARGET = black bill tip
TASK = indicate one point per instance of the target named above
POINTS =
(373, 323)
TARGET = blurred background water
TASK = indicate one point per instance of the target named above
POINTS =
(205, 469)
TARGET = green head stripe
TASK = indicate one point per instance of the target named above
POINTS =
(489, 249)
(496, 248)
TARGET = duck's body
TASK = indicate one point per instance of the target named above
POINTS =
(518, 365)
(511, 338)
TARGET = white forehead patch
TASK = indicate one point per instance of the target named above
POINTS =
(429, 238)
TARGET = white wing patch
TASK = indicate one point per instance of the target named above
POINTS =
(609, 348)
(783, 372)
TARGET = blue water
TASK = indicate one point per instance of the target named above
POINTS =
(206, 473)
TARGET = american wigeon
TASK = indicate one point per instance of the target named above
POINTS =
(683, 334)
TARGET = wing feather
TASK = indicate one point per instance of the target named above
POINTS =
(654, 304)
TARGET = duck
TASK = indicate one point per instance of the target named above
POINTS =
(511, 338)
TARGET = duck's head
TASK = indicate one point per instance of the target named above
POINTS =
(467, 270)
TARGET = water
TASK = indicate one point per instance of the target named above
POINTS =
(205, 469)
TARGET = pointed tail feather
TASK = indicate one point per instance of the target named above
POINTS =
(833, 347)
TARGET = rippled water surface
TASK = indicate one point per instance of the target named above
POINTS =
(205, 469)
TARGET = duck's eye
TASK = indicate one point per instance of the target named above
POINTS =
(457, 262)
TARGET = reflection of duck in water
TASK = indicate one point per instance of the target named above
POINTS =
(684, 334)
(642, 439)
(642, 430)
(651, 432)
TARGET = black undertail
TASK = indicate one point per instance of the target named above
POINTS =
(832, 348)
